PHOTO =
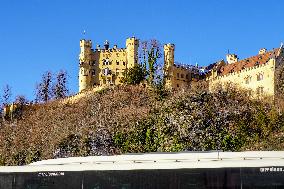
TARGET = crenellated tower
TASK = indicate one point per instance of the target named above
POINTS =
(86, 65)
(169, 58)
(132, 45)
(169, 53)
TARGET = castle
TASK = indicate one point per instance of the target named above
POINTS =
(257, 74)
(105, 66)
(177, 75)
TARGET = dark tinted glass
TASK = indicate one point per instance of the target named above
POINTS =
(230, 178)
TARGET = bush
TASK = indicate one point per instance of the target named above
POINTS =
(134, 75)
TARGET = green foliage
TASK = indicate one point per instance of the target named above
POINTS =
(78, 145)
(159, 90)
(225, 120)
(25, 157)
(102, 91)
(134, 75)
(133, 119)
(150, 54)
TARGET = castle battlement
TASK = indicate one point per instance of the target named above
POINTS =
(105, 66)
(256, 73)
(245, 70)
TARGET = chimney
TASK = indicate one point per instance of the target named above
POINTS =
(98, 47)
(232, 58)
(106, 45)
(262, 51)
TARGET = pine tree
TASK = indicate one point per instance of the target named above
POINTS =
(60, 89)
(44, 88)
(7, 93)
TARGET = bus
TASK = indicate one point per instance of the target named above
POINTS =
(185, 170)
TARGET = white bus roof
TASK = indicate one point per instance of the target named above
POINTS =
(181, 160)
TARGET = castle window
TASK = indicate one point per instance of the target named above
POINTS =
(259, 91)
(93, 72)
(248, 79)
(107, 62)
(186, 76)
(181, 75)
(117, 63)
(259, 77)
(249, 93)
(123, 63)
(177, 75)
(177, 85)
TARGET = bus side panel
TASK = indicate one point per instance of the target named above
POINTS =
(48, 180)
(6, 181)
(266, 177)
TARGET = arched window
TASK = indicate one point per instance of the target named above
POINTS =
(259, 76)
(259, 90)
(248, 79)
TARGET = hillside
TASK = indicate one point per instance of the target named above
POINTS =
(135, 119)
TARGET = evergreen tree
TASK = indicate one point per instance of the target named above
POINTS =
(44, 88)
(134, 75)
(7, 93)
(60, 89)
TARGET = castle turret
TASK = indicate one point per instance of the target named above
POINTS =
(132, 45)
(169, 59)
(169, 56)
(106, 45)
(262, 51)
(232, 58)
(86, 65)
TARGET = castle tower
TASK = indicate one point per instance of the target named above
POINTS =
(232, 58)
(169, 58)
(86, 65)
(132, 45)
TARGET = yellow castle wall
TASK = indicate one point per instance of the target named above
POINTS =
(239, 78)
(94, 62)
(176, 76)
(181, 77)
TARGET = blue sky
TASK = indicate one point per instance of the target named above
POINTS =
(41, 35)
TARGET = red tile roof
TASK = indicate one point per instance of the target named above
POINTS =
(248, 62)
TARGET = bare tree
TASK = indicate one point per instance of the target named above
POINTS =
(7, 93)
(44, 88)
(150, 54)
(60, 89)
(21, 100)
